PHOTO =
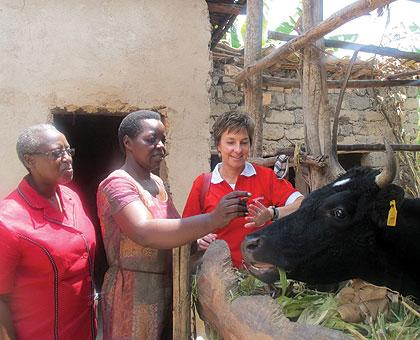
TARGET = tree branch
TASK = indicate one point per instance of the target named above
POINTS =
(336, 20)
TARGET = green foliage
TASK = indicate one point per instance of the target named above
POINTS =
(288, 26)
(307, 306)
(234, 39)
(345, 37)
(285, 27)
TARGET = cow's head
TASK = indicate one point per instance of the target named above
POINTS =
(332, 233)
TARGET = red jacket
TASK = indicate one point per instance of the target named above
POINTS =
(46, 261)
(264, 184)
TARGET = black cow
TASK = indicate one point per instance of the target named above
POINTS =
(341, 231)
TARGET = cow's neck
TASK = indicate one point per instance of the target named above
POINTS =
(400, 248)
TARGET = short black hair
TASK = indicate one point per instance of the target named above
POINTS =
(132, 125)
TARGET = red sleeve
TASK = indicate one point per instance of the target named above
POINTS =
(115, 193)
(192, 206)
(9, 259)
(281, 190)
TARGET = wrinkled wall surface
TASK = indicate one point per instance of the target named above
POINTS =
(88, 53)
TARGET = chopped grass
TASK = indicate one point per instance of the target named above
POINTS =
(308, 306)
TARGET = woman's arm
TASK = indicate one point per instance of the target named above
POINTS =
(290, 208)
(134, 221)
(7, 331)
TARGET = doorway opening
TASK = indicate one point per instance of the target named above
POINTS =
(95, 138)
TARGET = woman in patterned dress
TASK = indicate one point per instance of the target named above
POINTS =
(140, 225)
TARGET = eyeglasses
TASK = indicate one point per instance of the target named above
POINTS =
(57, 153)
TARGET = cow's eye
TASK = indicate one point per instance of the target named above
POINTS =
(339, 213)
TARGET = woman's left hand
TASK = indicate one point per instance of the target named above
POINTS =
(259, 214)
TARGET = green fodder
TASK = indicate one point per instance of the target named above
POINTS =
(309, 306)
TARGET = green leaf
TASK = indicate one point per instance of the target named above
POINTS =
(234, 39)
(285, 27)
(283, 282)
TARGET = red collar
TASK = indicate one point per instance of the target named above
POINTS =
(37, 201)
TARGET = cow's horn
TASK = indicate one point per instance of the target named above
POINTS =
(388, 173)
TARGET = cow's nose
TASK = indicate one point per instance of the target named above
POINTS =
(253, 242)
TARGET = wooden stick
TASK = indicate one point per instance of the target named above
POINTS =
(335, 84)
(340, 102)
(226, 8)
(404, 74)
(336, 20)
(269, 161)
(386, 51)
(221, 30)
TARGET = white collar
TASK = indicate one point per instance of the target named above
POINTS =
(248, 171)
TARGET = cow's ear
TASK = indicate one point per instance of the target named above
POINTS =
(384, 201)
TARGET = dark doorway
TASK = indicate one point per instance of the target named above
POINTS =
(97, 154)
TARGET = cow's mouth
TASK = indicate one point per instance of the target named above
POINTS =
(265, 272)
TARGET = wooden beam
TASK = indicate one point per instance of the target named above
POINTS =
(404, 74)
(226, 8)
(335, 84)
(221, 30)
(378, 147)
(386, 51)
(252, 88)
(339, 18)
(341, 148)
(268, 162)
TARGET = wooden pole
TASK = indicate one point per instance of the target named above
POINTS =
(386, 51)
(335, 84)
(339, 18)
(181, 293)
(252, 88)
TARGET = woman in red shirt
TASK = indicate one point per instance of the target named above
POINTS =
(47, 244)
(232, 133)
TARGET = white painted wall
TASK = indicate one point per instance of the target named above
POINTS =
(141, 52)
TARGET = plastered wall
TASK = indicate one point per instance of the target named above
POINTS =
(141, 53)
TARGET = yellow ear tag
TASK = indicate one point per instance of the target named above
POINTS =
(392, 214)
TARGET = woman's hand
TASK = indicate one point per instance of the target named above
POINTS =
(204, 242)
(258, 215)
(230, 206)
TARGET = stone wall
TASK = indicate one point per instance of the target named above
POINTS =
(360, 119)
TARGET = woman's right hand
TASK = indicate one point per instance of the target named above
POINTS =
(230, 206)
(204, 242)
(259, 215)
